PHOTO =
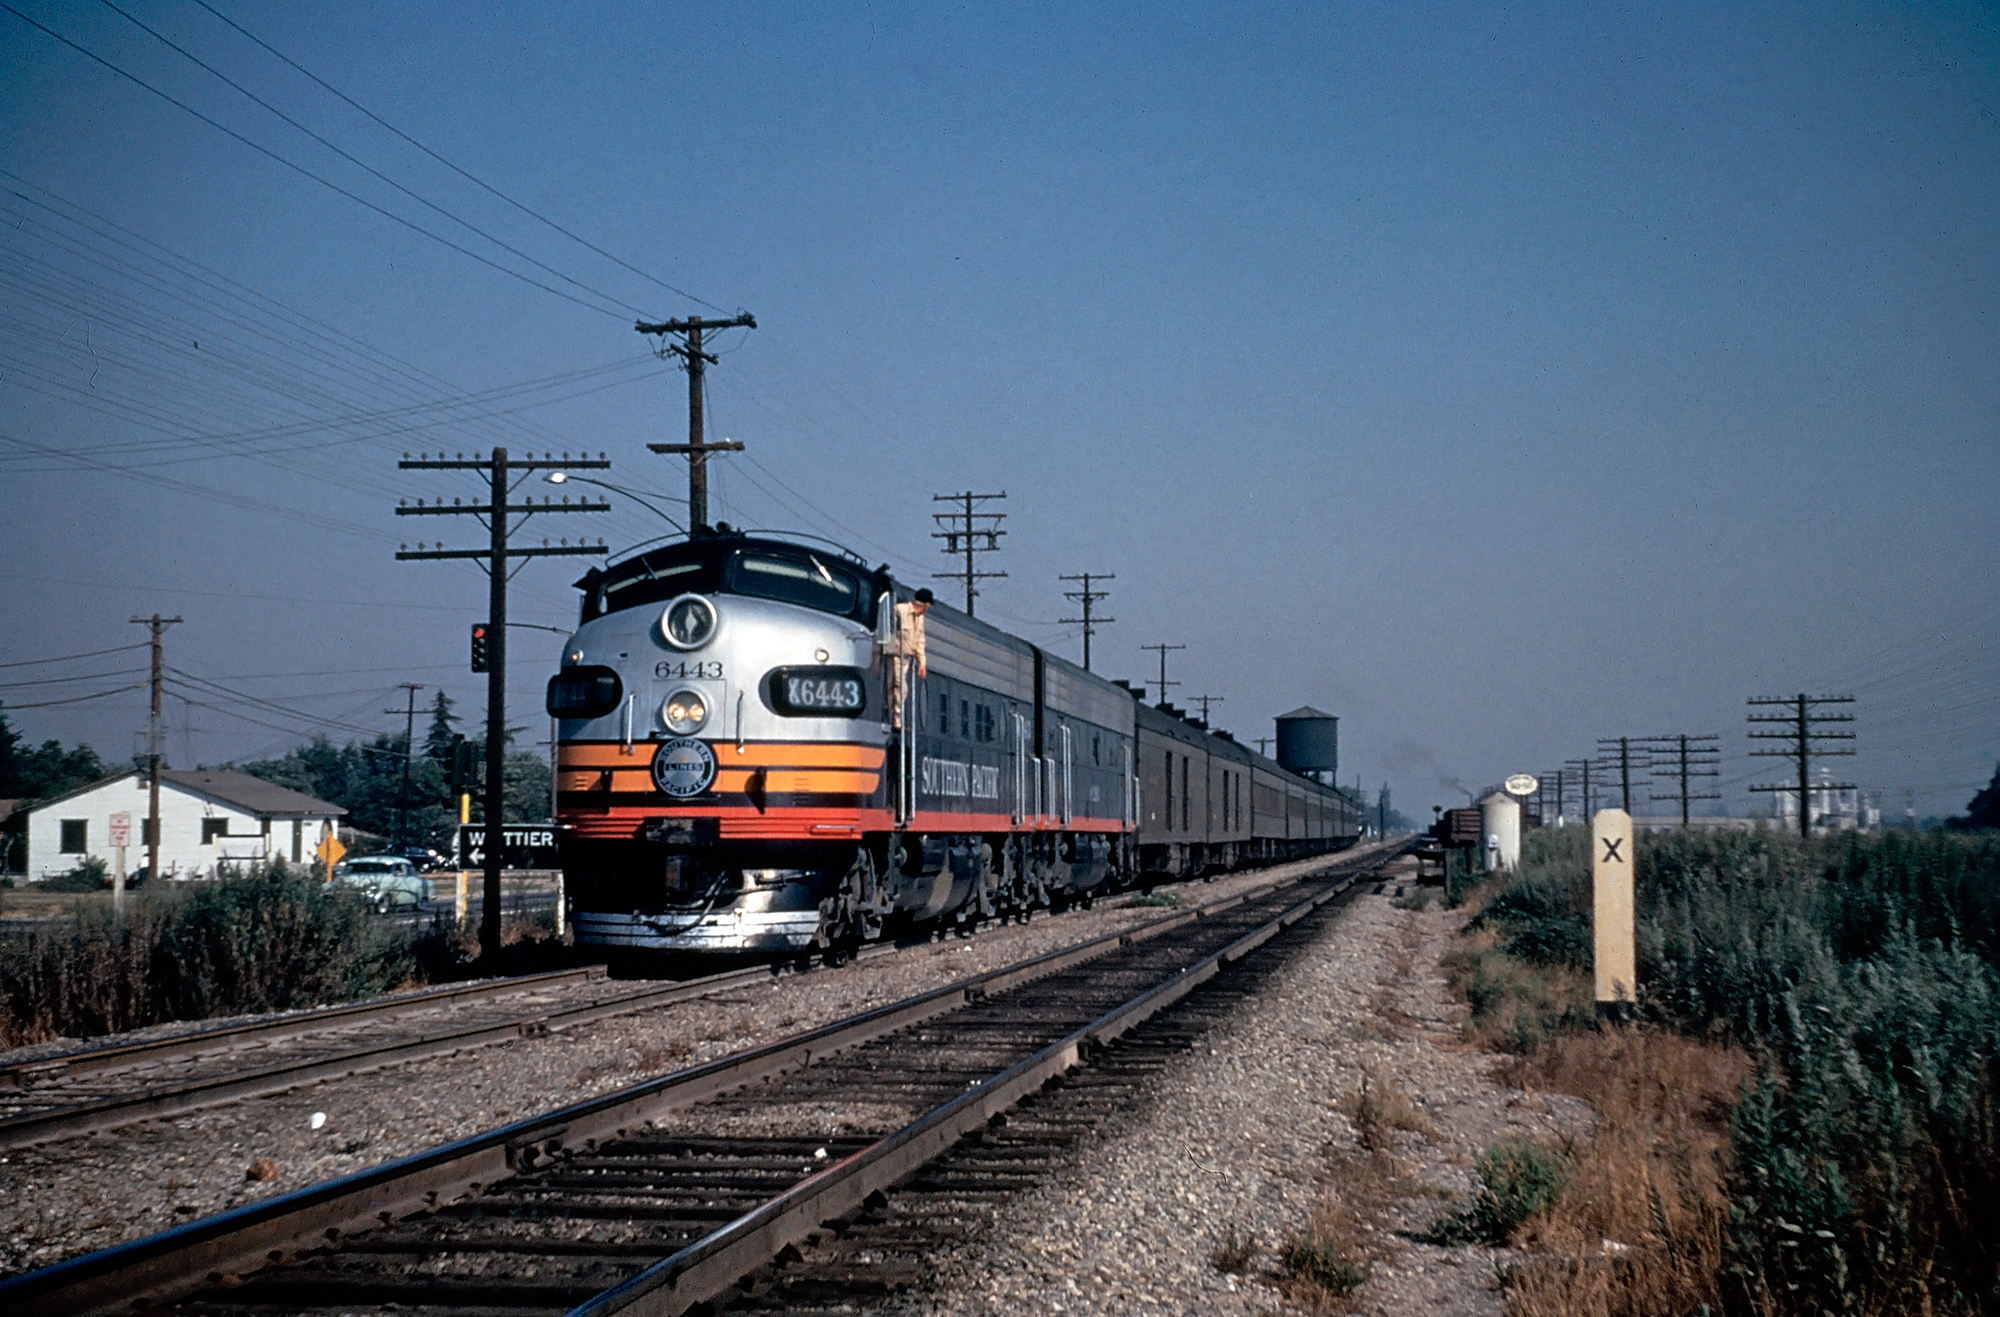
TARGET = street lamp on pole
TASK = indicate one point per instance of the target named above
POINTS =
(564, 478)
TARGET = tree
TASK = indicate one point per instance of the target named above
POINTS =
(1984, 809)
(10, 765)
(437, 742)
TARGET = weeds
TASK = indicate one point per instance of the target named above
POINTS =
(1377, 1109)
(1518, 1178)
(1161, 900)
(1321, 1264)
(1232, 1255)
(1824, 1136)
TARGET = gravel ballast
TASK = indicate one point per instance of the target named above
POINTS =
(1244, 1136)
(65, 1198)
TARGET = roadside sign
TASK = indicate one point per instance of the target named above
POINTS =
(121, 830)
(523, 846)
(1522, 784)
(330, 849)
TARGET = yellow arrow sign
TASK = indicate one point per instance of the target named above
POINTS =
(331, 850)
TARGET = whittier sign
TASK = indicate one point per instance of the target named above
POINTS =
(1522, 784)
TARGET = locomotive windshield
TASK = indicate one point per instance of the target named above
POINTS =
(787, 573)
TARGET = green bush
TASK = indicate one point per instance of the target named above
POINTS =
(1517, 1178)
(93, 875)
(1864, 972)
(275, 939)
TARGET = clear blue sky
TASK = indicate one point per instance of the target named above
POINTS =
(1497, 379)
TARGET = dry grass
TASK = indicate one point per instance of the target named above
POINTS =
(1320, 1269)
(1378, 1109)
(1640, 1228)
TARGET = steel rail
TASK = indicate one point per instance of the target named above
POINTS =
(173, 1099)
(709, 1266)
(224, 1037)
(236, 1242)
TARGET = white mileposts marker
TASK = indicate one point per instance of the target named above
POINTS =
(1611, 907)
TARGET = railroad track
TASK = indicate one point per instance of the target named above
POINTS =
(102, 1088)
(664, 1195)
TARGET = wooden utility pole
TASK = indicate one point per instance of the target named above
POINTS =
(1624, 745)
(1087, 597)
(1163, 683)
(409, 745)
(1205, 700)
(155, 735)
(1800, 723)
(1686, 759)
(696, 362)
(962, 532)
(1583, 769)
(494, 559)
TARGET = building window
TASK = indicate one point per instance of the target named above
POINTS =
(965, 720)
(213, 828)
(146, 837)
(299, 840)
(75, 836)
(1185, 813)
(1168, 822)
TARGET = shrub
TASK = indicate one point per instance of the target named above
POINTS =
(274, 939)
(1517, 1179)
(1322, 1264)
(92, 875)
(1863, 974)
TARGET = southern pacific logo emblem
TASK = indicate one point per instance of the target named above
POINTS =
(683, 768)
(949, 777)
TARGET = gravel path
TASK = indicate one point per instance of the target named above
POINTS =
(1244, 1137)
(61, 1199)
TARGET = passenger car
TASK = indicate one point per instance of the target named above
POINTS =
(390, 881)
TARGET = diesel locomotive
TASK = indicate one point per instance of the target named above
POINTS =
(765, 745)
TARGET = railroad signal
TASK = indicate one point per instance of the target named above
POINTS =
(464, 766)
(480, 632)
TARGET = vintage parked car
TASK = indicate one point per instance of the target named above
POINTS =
(390, 881)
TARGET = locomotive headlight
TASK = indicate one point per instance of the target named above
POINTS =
(688, 622)
(684, 713)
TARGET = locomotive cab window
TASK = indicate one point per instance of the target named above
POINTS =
(806, 580)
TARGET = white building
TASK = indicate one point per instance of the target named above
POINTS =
(1834, 809)
(210, 819)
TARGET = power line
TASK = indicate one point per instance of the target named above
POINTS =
(463, 173)
(961, 532)
(71, 658)
(696, 362)
(206, 67)
(1162, 683)
(494, 560)
(1087, 597)
(412, 225)
(1806, 743)
(1688, 759)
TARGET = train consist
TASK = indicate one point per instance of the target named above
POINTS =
(767, 746)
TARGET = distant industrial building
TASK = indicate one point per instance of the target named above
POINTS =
(211, 820)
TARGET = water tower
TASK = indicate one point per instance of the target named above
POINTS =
(1309, 744)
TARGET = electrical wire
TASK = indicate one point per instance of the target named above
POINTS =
(465, 174)
(412, 225)
(79, 699)
(70, 658)
(361, 164)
